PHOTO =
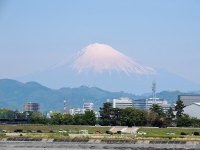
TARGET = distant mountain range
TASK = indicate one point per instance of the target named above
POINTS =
(13, 94)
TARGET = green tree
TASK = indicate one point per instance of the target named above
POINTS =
(195, 122)
(157, 109)
(67, 119)
(56, 118)
(38, 118)
(157, 115)
(116, 116)
(89, 118)
(169, 117)
(169, 114)
(131, 117)
(153, 119)
(179, 108)
(79, 119)
(184, 121)
(106, 114)
(6, 113)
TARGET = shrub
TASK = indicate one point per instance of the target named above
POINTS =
(196, 133)
(183, 133)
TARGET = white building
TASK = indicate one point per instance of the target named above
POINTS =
(88, 106)
(146, 104)
(193, 110)
(122, 103)
(75, 111)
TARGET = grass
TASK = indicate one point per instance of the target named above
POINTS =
(47, 128)
(162, 133)
(152, 133)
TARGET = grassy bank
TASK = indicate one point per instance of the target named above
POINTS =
(169, 133)
(72, 132)
(47, 128)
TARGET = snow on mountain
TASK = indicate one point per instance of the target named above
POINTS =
(101, 57)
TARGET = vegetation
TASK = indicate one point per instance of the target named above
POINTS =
(179, 108)
(170, 133)
(46, 128)
(109, 116)
(56, 118)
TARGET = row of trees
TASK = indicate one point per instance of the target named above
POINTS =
(110, 116)
(153, 117)
(56, 118)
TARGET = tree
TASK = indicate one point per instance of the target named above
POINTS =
(116, 116)
(67, 119)
(79, 119)
(6, 113)
(153, 119)
(131, 117)
(158, 116)
(56, 118)
(157, 109)
(38, 118)
(184, 121)
(179, 108)
(105, 114)
(170, 115)
(89, 117)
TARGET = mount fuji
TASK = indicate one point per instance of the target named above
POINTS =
(100, 65)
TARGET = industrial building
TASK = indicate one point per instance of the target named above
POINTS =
(193, 110)
(31, 107)
(189, 99)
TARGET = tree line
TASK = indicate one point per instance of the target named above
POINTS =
(110, 116)
(154, 117)
(56, 118)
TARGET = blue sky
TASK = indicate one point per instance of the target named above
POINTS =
(35, 34)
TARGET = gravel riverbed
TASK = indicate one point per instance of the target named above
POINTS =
(35, 145)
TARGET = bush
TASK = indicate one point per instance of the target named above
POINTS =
(183, 133)
(109, 132)
(18, 130)
(196, 133)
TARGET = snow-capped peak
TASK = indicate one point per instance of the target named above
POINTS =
(102, 57)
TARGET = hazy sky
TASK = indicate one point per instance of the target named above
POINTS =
(36, 34)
